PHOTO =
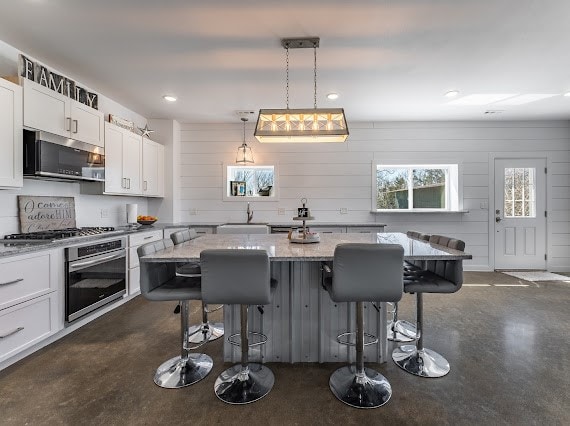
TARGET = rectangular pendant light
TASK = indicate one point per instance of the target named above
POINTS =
(311, 125)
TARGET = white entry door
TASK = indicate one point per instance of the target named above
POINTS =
(520, 213)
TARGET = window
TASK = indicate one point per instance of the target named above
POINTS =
(520, 192)
(250, 181)
(417, 187)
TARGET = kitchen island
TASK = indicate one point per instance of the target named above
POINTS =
(302, 322)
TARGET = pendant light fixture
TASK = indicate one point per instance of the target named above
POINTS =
(301, 125)
(244, 155)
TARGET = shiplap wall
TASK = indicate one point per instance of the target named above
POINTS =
(335, 176)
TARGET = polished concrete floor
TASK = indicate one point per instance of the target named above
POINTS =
(507, 341)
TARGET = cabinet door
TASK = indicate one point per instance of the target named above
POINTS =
(132, 159)
(87, 124)
(114, 178)
(150, 167)
(10, 135)
(46, 110)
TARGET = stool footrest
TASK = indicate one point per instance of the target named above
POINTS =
(345, 339)
(254, 338)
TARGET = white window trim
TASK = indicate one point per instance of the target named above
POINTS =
(454, 185)
(275, 190)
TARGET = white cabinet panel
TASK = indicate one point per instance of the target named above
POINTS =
(123, 156)
(25, 324)
(23, 278)
(139, 238)
(45, 109)
(132, 158)
(134, 280)
(152, 168)
(10, 135)
(136, 240)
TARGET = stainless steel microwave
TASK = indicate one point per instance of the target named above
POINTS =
(51, 156)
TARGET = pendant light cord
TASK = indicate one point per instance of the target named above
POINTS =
(315, 50)
(287, 75)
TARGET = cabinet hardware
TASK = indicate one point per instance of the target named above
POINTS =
(128, 183)
(3, 336)
(12, 282)
(150, 236)
(76, 126)
(124, 183)
(68, 121)
(145, 185)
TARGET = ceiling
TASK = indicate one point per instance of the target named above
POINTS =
(388, 60)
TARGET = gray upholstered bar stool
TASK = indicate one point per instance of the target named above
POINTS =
(363, 273)
(402, 330)
(234, 276)
(206, 331)
(441, 276)
(159, 282)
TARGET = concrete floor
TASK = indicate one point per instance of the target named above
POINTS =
(507, 345)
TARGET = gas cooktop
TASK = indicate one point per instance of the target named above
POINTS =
(58, 234)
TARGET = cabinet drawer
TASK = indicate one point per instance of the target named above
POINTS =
(364, 229)
(144, 237)
(26, 324)
(24, 278)
(203, 229)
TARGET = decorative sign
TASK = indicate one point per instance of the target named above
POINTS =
(37, 72)
(121, 122)
(39, 213)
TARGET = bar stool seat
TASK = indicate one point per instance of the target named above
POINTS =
(363, 273)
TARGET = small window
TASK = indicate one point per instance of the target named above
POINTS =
(250, 182)
(417, 187)
(520, 192)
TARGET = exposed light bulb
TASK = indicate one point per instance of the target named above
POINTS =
(452, 94)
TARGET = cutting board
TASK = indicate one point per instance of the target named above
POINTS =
(39, 213)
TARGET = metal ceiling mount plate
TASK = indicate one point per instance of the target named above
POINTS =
(300, 43)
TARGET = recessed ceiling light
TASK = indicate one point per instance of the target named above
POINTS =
(332, 96)
(567, 94)
(481, 98)
(169, 98)
(452, 94)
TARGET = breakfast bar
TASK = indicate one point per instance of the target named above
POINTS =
(302, 322)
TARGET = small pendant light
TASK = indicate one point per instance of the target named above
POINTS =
(244, 154)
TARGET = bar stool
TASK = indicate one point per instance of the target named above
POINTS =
(402, 330)
(159, 282)
(206, 331)
(441, 276)
(363, 273)
(234, 276)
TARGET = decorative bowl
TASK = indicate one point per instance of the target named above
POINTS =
(146, 222)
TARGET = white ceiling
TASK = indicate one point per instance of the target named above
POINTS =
(388, 60)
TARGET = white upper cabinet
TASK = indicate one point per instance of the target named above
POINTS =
(10, 135)
(123, 158)
(153, 169)
(45, 109)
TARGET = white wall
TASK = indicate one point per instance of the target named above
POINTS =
(335, 176)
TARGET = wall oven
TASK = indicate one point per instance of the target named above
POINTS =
(50, 156)
(96, 274)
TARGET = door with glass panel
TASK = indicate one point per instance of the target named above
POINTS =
(520, 213)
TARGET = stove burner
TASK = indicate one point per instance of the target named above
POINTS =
(59, 234)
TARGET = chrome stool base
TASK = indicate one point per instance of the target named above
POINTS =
(177, 373)
(369, 390)
(407, 329)
(199, 333)
(422, 362)
(395, 336)
(235, 386)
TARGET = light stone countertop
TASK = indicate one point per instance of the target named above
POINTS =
(280, 248)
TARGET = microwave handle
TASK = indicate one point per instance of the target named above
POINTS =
(100, 259)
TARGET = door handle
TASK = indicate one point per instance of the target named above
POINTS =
(76, 126)
(498, 219)
(68, 121)
(8, 334)
(17, 280)
(145, 185)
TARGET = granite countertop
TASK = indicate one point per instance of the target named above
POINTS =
(280, 248)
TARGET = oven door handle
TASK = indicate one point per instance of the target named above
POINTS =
(75, 266)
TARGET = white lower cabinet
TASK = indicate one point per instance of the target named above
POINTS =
(28, 323)
(136, 240)
(31, 300)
